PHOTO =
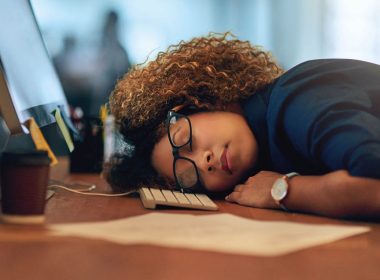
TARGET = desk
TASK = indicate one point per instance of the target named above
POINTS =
(28, 252)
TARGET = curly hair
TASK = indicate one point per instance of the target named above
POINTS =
(208, 72)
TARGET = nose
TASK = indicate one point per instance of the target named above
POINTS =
(207, 161)
(204, 160)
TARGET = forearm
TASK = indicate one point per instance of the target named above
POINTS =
(336, 194)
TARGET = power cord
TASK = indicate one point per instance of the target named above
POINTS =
(85, 190)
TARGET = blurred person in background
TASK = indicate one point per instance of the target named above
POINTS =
(89, 73)
(113, 61)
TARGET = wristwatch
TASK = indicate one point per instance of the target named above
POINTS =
(280, 189)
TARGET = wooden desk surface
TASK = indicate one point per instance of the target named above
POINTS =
(28, 252)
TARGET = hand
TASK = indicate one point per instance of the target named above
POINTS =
(255, 192)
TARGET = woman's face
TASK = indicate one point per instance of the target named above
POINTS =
(224, 149)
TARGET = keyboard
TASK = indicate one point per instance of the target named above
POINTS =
(152, 197)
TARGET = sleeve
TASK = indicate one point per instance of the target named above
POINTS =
(334, 125)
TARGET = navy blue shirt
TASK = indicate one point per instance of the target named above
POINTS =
(320, 116)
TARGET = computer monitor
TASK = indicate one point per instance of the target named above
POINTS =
(29, 85)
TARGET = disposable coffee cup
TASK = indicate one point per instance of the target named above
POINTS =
(24, 180)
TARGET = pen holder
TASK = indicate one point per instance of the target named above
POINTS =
(87, 156)
(24, 180)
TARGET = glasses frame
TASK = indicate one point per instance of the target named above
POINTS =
(176, 148)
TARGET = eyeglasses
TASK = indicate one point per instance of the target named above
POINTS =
(180, 137)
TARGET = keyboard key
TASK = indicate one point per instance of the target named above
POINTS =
(181, 198)
(147, 198)
(193, 199)
(147, 193)
(205, 200)
(169, 196)
(157, 194)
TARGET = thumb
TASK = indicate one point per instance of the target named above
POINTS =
(232, 197)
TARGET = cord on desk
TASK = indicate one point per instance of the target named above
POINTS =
(87, 191)
(76, 185)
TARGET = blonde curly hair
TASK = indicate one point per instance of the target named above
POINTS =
(209, 72)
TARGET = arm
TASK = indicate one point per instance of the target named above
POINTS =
(336, 194)
(343, 139)
(325, 113)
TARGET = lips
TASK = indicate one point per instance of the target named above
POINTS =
(224, 162)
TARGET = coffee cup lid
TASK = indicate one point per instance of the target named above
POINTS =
(36, 157)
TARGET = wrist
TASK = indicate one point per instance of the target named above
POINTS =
(281, 188)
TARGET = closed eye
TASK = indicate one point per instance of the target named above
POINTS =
(174, 136)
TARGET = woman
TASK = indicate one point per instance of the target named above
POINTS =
(217, 114)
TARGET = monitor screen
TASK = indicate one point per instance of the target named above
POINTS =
(29, 85)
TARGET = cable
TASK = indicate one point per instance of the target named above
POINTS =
(86, 192)
(87, 187)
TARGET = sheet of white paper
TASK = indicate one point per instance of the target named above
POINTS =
(218, 232)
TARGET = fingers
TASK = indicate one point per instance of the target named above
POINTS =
(233, 197)
(238, 188)
(236, 194)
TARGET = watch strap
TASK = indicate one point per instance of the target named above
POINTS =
(282, 206)
(291, 174)
(287, 177)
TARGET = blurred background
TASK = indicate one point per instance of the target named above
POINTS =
(93, 42)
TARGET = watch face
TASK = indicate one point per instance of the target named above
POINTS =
(279, 189)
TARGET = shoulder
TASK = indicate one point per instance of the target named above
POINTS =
(314, 86)
(326, 81)
(314, 89)
(329, 66)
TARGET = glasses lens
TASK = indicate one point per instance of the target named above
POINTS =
(179, 131)
(186, 173)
